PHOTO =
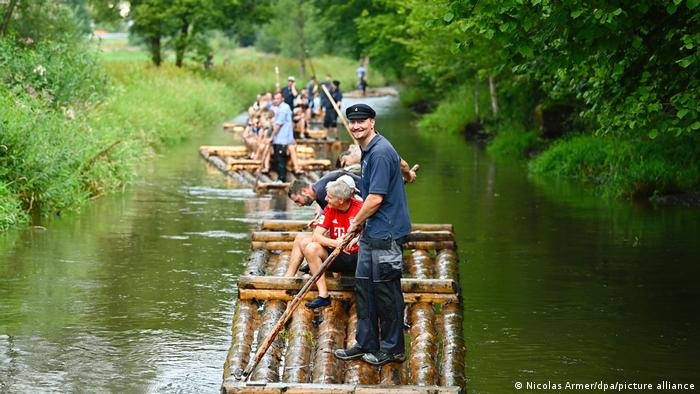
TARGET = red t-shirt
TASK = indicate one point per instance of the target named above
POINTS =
(337, 222)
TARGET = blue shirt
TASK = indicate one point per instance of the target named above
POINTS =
(381, 174)
(283, 117)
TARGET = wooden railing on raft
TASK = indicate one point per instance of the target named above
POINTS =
(301, 358)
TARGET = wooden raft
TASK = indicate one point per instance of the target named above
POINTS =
(234, 162)
(301, 358)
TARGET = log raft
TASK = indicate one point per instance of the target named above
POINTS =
(235, 161)
(301, 359)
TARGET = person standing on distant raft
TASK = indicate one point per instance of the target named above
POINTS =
(387, 224)
(282, 135)
(331, 120)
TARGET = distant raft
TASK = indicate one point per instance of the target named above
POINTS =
(235, 162)
(301, 358)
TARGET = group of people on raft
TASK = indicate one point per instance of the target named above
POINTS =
(276, 121)
(368, 213)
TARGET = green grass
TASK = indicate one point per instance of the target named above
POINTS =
(513, 141)
(625, 168)
(455, 111)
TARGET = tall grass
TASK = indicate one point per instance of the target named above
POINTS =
(625, 168)
(455, 111)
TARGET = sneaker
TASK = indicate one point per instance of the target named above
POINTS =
(305, 269)
(381, 358)
(319, 302)
(353, 353)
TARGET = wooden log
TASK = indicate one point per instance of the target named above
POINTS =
(242, 332)
(453, 348)
(233, 386)
(257, 262)
(320, 133)
(264, 178)
(420, 265)
(268, 368)
(331, 336)
(282, 264)
(428, 245)
(316, 164)
(225, 151)
(261, 187)
(248, 176)
(393, 374)
(345, 283)
(416, 236)
(446, 265)
(357, 371)
(217, 162)
(297, 359)
(420, 245)
(409, 298)
(297, 225)
(424, 340)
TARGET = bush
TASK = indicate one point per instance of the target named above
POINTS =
(512, 141)
(455, 111)
(61, 73)
(636, 168)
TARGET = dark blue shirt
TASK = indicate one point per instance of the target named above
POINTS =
(319, 187)
(381, 174)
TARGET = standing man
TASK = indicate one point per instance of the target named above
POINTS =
(282, 135)
(386, 222)
(331, 119)
(361, 73)
(290, 92)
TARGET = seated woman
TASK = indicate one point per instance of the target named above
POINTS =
(341, 209)
(252, 136)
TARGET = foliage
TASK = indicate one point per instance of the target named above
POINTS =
(48, 19)
(513, 142)
(453, 113)
(625, 167)
(187, 25)
(632, 66)
(62, 73)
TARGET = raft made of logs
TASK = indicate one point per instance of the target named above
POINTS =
(234, 161)
(301, 358)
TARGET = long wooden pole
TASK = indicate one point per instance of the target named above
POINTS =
(265, 344)
(337, 110)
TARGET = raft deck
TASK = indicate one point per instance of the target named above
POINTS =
(301, 358)
(234, 162)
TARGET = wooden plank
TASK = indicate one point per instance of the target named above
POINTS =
(420, 245)
(415, 236)
(408, 285)
(233, 386)
(297, 225)
(410, 298)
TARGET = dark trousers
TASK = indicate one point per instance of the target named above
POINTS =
(279, 155)
(378, 296)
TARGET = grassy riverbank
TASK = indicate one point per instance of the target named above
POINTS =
(57, 154)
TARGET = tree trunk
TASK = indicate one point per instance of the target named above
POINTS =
(154, 46)
(8, 16)
(494, 97)
(181, 42)
(302, 42)
(476, 100)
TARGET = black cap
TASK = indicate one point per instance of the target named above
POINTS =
(359, 112)
(336, 82)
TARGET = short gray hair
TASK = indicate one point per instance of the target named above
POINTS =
(340, 189)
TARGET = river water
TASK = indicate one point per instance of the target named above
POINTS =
(136, 292)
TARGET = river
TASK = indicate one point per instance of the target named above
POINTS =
(136, 292)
